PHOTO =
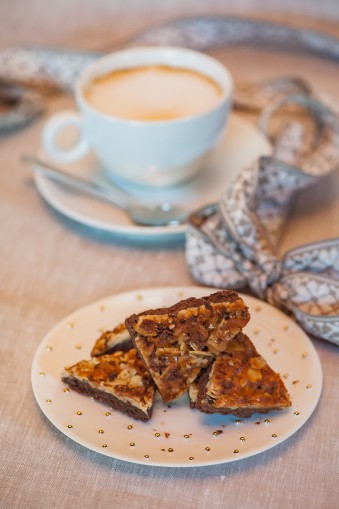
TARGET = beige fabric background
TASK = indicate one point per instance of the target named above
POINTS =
(50, 266)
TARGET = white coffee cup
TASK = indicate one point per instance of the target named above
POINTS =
(153, 153)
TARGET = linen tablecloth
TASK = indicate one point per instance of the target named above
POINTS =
(51, 266)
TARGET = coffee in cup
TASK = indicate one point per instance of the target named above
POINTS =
(153, 93)
(150, 114)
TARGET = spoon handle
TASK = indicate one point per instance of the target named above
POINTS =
(111, 195)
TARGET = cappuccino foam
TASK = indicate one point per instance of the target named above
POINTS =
(153, 93)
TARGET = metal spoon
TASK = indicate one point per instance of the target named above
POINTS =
(146, 214)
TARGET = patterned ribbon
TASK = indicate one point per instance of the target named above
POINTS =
(56, 68)
(233, 244)
(21, 104)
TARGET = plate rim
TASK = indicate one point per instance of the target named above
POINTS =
(152, 463)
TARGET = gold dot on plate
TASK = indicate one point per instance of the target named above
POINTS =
(304, 355)
(48, 401)
(286, 327)
(267, 421)
(70, 325)
(101, 307)
(42, 373)
(276, 350)
(104, 446)
(236, 451)
(296, 412)
(308, 386)
(78, 346)
(256, 331)
(170, 449)
(242, 439)
(79, 412)
(191, 458)
(186, 436)
(217, 432)
(66, 389)
(69, 426)
(49, 348)
(132, 444)
(157, 435)
(285, 375)
(101, 329)
(257, 308)
(274, 435)
(101, 431)
(139, 296)
(108, 414)
(130, 426)
(146, 456)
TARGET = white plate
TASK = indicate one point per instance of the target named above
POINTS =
(241, 144)
(175, 436)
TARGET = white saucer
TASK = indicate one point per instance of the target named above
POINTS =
(241, 143)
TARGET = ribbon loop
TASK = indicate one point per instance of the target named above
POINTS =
(233, 244)
(319, 257)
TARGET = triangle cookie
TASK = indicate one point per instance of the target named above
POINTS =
(239, 382)
(177, 342)
(119, 380)
(112, 341)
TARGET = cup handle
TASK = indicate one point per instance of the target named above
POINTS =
(52, 128)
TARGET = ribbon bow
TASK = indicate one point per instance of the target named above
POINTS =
(233, 244)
